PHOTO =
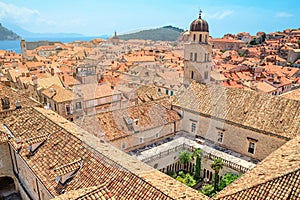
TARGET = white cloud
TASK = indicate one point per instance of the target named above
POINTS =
(219, 15)
(21, 15)
(284, 14)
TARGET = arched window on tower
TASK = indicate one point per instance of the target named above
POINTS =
(206, 38)
(192, 75)
(194, 37)
(200, 38)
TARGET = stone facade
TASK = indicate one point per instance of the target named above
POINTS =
(144, 138)
(234, 137)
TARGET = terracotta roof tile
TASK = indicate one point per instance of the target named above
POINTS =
(63, 152)
(276, 177)
(262, 112)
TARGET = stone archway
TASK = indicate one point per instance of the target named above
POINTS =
(8, 188)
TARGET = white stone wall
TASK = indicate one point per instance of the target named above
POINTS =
(234, 138)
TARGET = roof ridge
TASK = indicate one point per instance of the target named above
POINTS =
(267, 181)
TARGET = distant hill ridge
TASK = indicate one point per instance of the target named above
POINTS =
(6, 34)
(166, 33)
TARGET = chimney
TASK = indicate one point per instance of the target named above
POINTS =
(52, 92)
(18, 104)
(52, 71)
(34, 80)
(5, 102)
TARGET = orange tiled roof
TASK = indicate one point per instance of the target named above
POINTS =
(113, 123)
(14, 96)
(62, 150)
(265, 113)
(276, 177)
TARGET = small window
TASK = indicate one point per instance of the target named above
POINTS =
(200, 38)
(195, 57)
(55, 107)
(123, 145)
(206, 75)
(172, 93)
(68, 110)
(220, 137)
(191, 56)
(157, 135)
(141, 139)
(192, 75)
(194, 37)
(193, 127)
(251, 147)
(78, 106)
(167, 92)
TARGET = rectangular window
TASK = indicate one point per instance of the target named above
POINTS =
(68, 110)
(220, 137)
(123, 146)
(206, 75)
(251, 147)
(141, 139)
(193, 127)
(78, 106)
(191, 56)
(157, 135)
(195, 57)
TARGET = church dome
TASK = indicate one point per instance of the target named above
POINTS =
(199, 24)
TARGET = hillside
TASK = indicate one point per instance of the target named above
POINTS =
(6, 34)
(166, 33)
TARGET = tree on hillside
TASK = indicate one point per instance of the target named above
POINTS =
(197, 154)
(216, 165)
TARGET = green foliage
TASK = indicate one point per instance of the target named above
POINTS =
(253, 41)
(167, 33)
(187, 179)
(172, 174)
(198, 153)
(181, 174)
(241, 54)
(216, 165)
(184, 157)
(223, 51)
(6, 34)
(263, 38)
(190, 181)
(208, 190)
(226, 180)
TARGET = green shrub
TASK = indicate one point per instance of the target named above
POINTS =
(226, 180)
(208, 190)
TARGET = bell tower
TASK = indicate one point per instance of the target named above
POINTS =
(197, 53)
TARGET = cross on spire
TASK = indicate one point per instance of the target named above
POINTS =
(200, 12)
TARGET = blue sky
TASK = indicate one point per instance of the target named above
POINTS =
(97, 17)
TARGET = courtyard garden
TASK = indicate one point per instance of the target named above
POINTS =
(195, 180)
